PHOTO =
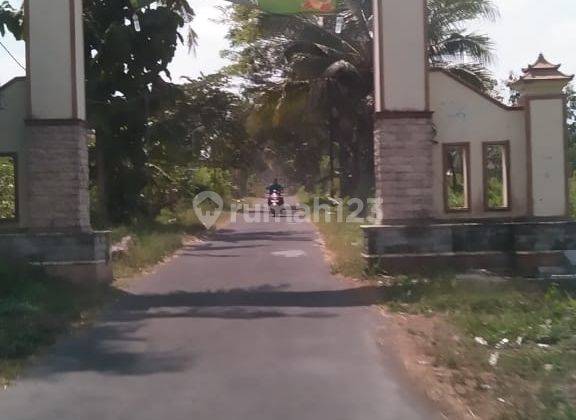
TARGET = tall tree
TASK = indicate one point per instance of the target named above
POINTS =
(204, 129)
(333, 69)
(128, 51)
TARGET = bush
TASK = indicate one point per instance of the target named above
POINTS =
(214, 179)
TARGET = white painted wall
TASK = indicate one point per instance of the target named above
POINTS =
(547, 139)
(52, 33)
(12, 115)
(463, 115)
(80, 66)
(378, 86)
(12, 132)
(403, 62)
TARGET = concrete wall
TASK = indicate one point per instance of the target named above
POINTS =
(80, 84)
(79, 257)
(463, 115)
(513, 247)
(547, 157)
(12, 134)
(401, 61)
(55, 67)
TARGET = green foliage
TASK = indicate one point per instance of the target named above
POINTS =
(34, 309)
(125, 90)
(542, 316)
(495, 311)
(7, 188)
(313, 87)
(151, 246)
(214, 179)
(456, 192)
(343, 240)
(451, 46)
(540, 313)
(11, 20)
(456, 198)
(495, 193)
(199, 144)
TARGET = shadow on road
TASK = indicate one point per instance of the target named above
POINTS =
(232, 236)
(262, 296)
(231, 240)
(117, 344)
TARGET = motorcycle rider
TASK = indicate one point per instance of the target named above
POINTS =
(276, 187)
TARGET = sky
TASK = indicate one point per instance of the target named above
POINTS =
(525, 29)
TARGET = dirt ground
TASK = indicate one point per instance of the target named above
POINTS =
(460, 393)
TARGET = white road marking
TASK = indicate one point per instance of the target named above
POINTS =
(294, 253)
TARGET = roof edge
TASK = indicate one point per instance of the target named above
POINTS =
(12, 81)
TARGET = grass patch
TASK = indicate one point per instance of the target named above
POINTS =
(34, 309)
(530, 325)
(344, 241)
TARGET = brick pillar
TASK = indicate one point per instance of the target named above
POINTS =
(57, 176)
(404, 174)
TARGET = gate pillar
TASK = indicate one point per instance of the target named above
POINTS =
(53, 230)
(403, 126)
(57, 153)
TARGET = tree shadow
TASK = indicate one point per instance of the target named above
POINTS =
(118, 343)
(264, 296)
(109, 348)
(233, 236)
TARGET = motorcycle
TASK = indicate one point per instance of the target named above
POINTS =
(275, 202)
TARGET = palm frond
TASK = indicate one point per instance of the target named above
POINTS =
(459, 45)
(473, 74)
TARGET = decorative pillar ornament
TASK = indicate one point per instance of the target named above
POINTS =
(541, 89)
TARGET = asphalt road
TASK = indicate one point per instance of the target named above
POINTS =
(248, 326)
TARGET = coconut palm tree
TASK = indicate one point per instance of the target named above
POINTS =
(451, 46)
(335, 68)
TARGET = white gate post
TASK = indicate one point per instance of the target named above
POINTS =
(542, 94)
(403, 127)
(57, 155)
